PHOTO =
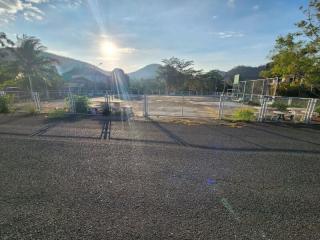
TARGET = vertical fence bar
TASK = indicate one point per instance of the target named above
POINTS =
(252, 89)
(182, 104)
(306, 115)
(244, 91)
(310, 109)
(263, 109)
(145, 106)
(221, 105)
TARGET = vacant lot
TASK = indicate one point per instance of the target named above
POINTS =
(59, 180)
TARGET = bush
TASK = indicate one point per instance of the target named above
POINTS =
(280, 106)
(31, 109)
(244, 115)
(317, 110)
(4, 104)
(57, 113)
(81, 103)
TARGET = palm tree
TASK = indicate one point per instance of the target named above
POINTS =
(30, 59)
(4, 41)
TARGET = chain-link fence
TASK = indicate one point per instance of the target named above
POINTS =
(236, 106)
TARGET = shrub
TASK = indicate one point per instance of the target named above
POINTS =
(4, 104)
(31, 109)
(57, 113)
(317, 110)
(280, 106)
(81, 103)
(244, 115)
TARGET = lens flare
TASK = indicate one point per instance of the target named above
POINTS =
(108, 48)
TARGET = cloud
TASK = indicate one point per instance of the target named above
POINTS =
(231, 3)
(214, 17)
(127, 50)
(29, 9)
(229, 34)
(256, 7)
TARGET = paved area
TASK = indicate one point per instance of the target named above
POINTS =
(151, 180)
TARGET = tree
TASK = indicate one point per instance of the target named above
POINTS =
(213, 81)
(297, 54)
(176, 72)
(31, 62)
(5, 41)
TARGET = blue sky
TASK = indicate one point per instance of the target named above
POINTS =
(216, 34)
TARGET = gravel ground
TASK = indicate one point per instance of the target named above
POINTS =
(152, 180)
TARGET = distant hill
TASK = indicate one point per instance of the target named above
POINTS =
(70, 68)
(246, 73)
(147, 72)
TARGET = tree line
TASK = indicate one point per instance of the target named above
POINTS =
(178, 75)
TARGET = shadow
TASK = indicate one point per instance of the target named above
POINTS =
(170, 134)
(106, 130)
(236, 137)
(196, 146)
(277, 134)
(68, 137)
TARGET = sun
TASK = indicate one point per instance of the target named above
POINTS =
(108, 48)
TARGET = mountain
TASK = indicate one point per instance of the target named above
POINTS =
(246, 73)
(70, 68)
(147, 72)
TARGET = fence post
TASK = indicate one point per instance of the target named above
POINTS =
(263, 110)
(252, 89)
(221, 105)
(145, 106)
(36, 101)
(244, 91)
(309, 111)
(182, 103)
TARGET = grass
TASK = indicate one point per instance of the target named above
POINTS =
(56, 114)
(244, 114)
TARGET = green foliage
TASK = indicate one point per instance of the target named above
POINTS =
(5, 102)
(280, 106)
(81, 103)
(175, 72)
(57, 113)
(147, 85)
(28, 66)
(179, 75)
(317, 110)
(244, 115)
(296, 55)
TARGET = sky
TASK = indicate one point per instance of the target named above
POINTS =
(215, 34)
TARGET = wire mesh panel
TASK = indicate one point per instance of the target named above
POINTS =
(184, 105)
(165, 105)
(245, 108)
(21, 101)
(53, 100)
(200, 106)
(132, 105)
(287, 109)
